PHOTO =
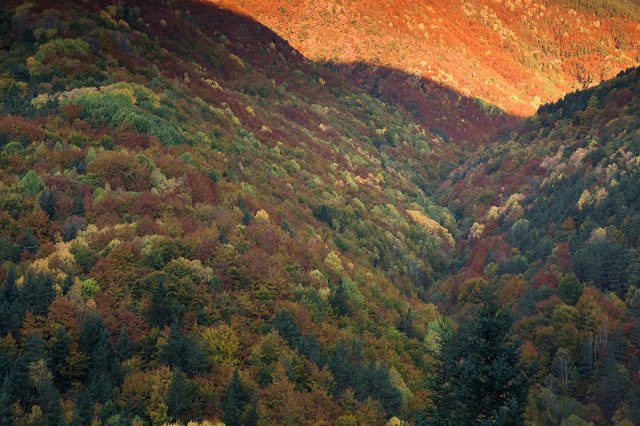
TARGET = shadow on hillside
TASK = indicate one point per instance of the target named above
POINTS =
(463, 121)
(444, 111)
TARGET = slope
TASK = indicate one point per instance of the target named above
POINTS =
(555, 226)
(182, 196)
(514, 55)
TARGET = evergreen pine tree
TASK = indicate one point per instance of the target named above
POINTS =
(78, 205)
(182, 352)
(340, 368)
(11, 304)
(33, 348)
(570, 289)
(405, 324)
(180, 396)
(91, 330)
(123, 345)
(83, 413)
(47, 202)
(59, 348)
(38, 293)
(52, 406)
(233, 401)
(340, 301)
(479, 379)
(6, 400)
(29, 243)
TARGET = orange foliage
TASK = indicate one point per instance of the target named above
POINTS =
(121, 170)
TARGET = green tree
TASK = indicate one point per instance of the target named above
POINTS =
(181, 396)
(340, 300)
(405, 324)
(38, 293)
(570, 289)
(240, 404)
(47, 202)
(8, 251)
(182, 352)
(29, 243)
(233, 401)
(11, 303)
(59, 348)
(479, 378)
(78, 204)
(32, 183)
(123, 345)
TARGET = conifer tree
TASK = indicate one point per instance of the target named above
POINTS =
(47, 201)
(570, 289)
(479, 379)
(123, 345)
(340, 301)
(180, 396)
(233, 403)
(78, 205)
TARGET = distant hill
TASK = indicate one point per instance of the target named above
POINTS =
(514, 55)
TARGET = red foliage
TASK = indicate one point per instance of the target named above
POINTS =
(121, 170)
(546, 278)
(135, 141)
(202, 189)
(16, 127)
(71, 111)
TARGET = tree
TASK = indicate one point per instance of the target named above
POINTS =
(6, 400)
(479, 379)
(47, 202)
(405, 324)
(123, 345)
(78, 204)
(233, 403)
(59, 349)
(32, 183)
(340, 300)
(38, 293)
(182, 352)
(29, 243)
(181, 396)
(570, 289)
(11, 304)
(34, 348)
(91, 330)
(9, 251)
(239, 404)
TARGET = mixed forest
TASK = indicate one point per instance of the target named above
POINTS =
(199, 224)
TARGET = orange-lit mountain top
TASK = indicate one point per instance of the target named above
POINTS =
(513, 54)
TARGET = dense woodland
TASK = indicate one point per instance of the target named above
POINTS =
(198, 224)
(557, 224)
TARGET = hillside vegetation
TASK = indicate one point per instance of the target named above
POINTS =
(182, 197)
(555, 225)
(513, 54)
(200, 223)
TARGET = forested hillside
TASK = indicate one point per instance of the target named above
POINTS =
(553, 218)
(512, 54)
(198, 223)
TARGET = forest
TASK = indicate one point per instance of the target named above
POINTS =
(198, 225)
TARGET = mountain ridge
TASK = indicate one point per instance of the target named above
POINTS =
(515, 55)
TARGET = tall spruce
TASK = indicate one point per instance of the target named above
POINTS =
(479, 378)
